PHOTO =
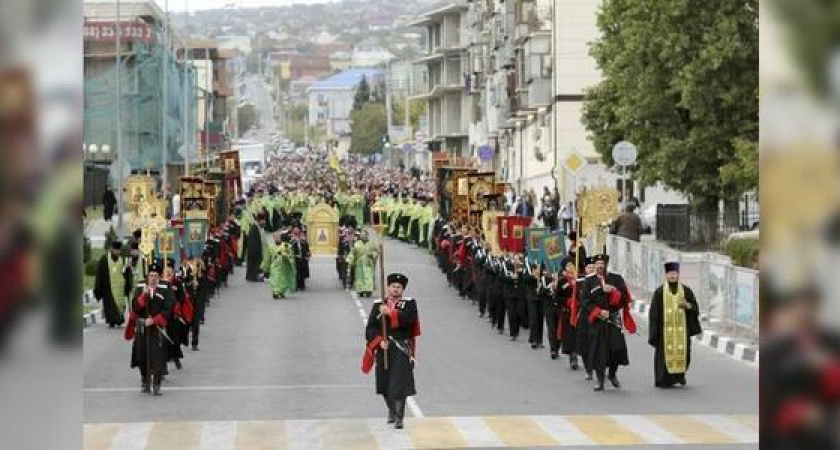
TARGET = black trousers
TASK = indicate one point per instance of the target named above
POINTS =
(536, 317)
(552, 322)
(513, 304)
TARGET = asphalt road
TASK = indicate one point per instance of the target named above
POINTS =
(298, 359)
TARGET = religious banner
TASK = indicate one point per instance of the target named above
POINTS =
(168, 245)
(232, 174)
(138, 188)
(553, 250)
(512, 233)
(480, 186)
(490, 227)
(193, 202)
(195, 234)
(533, 243)
(453, 201)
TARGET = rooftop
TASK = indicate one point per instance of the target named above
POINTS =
(347, 79)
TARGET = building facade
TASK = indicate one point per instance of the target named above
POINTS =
(331, 100)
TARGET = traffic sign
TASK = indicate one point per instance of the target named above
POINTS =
(574, 163)
(624, 153)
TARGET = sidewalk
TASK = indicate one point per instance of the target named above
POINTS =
(98, 227)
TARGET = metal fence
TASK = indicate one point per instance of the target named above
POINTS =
(727, 294)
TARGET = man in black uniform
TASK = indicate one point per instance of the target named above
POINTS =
(300, 247)
(150, 313)
(607, 310)
(392, 328)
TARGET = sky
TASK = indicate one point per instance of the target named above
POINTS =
(178, 5)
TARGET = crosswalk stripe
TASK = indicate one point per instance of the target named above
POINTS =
(304, 434)
(386, 436)
(691, 430)
(731, 427)
(519, 431)
(435, 432)
(476, 432)
(605, 431)
(132, 436)
(348, 435)
(652, 431)
(100, 436)
(217, 436)
(563, 431)
(430, 432)
(171, 435)
(260, 435)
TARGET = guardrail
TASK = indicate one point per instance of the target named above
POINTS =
(727, 294)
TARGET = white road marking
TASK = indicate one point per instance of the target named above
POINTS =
(476, 432)
(563, 431)
(132, 436)
(728, 426)
(652, 433)
(217, 436)
(304, 434)
(284, 387)
(386, 436)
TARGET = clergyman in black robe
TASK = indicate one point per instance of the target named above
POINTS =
(112, 264)
(302, 254)
(254, 256)
(673, 320)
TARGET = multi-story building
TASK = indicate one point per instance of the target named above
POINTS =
(156, 125)
(331, 99)
(214, 90)
(444, 86)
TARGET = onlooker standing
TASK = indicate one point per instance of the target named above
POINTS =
(628, 224)
(566, 217)
(109, 204)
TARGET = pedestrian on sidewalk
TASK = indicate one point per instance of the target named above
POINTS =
(109, 204)
(673, 320)
(628, 224)
(391, 332)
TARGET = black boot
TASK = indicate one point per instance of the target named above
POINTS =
(145, 387)
(588, 375)
(554, 355)
(195, 347)
(614, 381)
(600, 386)
(178, 364)
(573, 361)
(399, 407)
(392, 414)
(156, 387)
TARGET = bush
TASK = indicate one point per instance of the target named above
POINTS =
(86, 250)
(744, 252)
(90, 267)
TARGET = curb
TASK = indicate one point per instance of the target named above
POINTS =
(713, 340)
(92, 317)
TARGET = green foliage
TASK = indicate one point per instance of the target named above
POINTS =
(90, 267)
(247, 116)
(415, 111)
(812, 33)
(681, 82)
(368, 127)
(744, 252)
(362, 94)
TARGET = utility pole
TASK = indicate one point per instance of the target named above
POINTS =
(164, 142)
(184, 102)
(120, 159)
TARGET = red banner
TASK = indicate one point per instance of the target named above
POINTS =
(107, 32)
(512, 233)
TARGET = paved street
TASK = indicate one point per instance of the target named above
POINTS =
(285, 373)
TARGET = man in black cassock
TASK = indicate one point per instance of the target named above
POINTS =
(607, 310)
(673, 320)
(108, 289)
(397, 346)
(574, 245)
(109, 204)
(254, 255)
(150, 313)
(300, 247)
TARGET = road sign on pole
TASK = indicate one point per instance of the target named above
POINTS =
(624, 154)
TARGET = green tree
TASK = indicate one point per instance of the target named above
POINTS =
(247, 116)
(362, 94)
(367, 128)
(416, 110)
(681, 82)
